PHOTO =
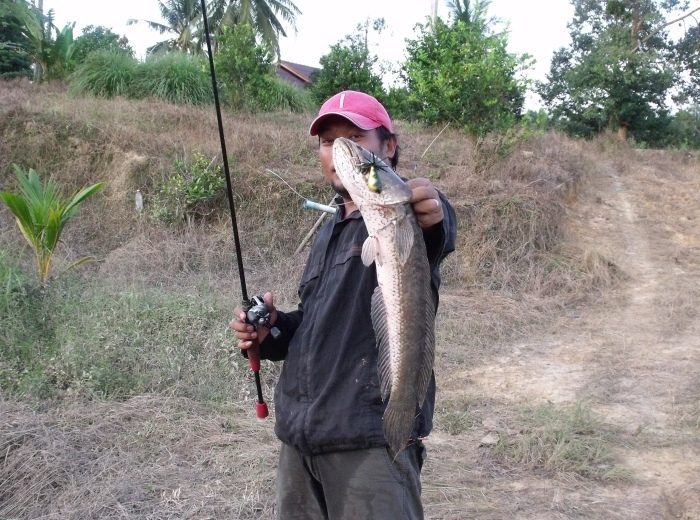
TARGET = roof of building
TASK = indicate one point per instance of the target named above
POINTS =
(295, 73)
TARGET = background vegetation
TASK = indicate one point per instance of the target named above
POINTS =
(622, 71)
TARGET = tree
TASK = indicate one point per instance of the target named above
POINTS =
(183, 22)
(688, 49)
(349, 66)
(262, 15)
(48, 47)
(42, 213)
(244, 67)
(14, 61)
(471, 14)
(463, 73)
(95, 39)
(619, 71)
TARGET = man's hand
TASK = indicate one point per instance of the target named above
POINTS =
(245, 332)
(426, 202)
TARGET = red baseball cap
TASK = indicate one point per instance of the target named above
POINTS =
(361, 109)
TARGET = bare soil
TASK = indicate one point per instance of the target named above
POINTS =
(634, 357)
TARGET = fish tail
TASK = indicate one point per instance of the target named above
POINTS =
(398, 425)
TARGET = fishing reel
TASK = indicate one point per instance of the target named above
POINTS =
(259, 316)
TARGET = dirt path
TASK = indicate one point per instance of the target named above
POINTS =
(635, 358)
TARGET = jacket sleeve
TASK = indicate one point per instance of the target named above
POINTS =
(441, 238)
(440, 241)
(287, 323)
(276, 349)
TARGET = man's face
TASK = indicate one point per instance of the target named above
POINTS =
(338, 126)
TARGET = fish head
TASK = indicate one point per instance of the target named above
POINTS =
(367, 178)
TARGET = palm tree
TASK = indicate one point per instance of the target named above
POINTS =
(471, 14)
(42, 213)
(182, 21)
(266, 17)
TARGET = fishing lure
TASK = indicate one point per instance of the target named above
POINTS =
(370, 169)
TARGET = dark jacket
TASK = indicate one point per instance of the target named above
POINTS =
(328, 397)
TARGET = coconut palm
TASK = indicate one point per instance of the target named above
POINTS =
(471, 13)
(42, 213)
(183, 21)
(266, 17)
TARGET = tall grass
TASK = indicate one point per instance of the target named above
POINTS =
(108, 73)
(177, 78)
(280, 95)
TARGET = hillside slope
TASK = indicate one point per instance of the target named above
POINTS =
(568, 352)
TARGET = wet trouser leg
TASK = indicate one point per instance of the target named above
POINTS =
(360, 484)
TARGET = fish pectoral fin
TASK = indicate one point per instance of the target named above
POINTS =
(369, 250)
(381, 332)
(404, 238)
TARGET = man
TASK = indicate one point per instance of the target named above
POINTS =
(334, 460)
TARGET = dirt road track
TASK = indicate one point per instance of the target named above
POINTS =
(635, 357)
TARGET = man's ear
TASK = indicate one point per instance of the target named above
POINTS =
(390, 148)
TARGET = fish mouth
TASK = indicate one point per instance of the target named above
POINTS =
(368, 173)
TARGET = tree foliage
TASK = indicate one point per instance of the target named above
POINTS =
(247, 77)
(14, 60)
(96, 39)
(349, 65)
(620, 71)
(463, 73)
(243, 67)
(44, 44)
(184, 24)
(42, 214)
(266, 17)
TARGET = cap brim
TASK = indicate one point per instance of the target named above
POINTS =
(365, 123)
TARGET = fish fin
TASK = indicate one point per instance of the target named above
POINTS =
(381, 331)
(398, 425)
(369, 250)
(404, 238)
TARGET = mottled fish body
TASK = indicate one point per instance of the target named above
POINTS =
(403, 311)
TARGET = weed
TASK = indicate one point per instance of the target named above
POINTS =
(191, 190)
(458, 415)
(562, 439)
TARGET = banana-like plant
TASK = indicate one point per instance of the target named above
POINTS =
(42, 213)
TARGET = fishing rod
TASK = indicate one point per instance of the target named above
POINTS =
(257, 312)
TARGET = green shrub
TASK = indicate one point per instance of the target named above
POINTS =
(280, 95)
(190, 190)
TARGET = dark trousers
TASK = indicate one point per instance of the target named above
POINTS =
(350, 485)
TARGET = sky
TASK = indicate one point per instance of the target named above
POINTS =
(536, 28)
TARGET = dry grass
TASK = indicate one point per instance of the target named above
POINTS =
(192, 448)
(142, 458)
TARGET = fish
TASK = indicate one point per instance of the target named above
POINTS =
(402, 308)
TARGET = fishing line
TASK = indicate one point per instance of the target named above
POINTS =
(308, 203)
